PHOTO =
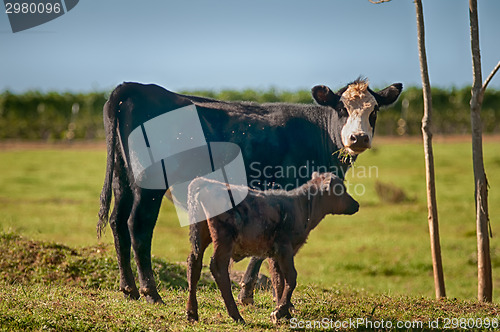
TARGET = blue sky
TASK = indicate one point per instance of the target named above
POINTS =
(202, 44)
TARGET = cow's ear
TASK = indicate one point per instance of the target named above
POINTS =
(324, 96)
(388, 95)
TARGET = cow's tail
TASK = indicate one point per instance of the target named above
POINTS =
(110, 126)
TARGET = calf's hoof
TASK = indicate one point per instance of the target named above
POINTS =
(279, 313)
(291, 309)
(274, 317)
(151, 296)
(130, 293)
(154, 299)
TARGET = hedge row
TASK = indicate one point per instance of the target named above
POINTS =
(59, 116)
(51, 116)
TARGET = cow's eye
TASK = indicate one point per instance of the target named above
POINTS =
(373, 117)
(343, 111)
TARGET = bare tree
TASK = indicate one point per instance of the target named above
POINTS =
(437, 264)
(484, 275)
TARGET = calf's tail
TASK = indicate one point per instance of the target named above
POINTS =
(194, 206)
(110, 126)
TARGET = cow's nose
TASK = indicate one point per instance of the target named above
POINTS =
(361, 139)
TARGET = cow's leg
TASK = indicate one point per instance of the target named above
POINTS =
(287, 267)
(249, 280)
(276, 279)
(118, 222)
(219, 265)
(195, 262)
(141, 224)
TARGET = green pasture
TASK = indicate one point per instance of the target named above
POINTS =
(52, 194)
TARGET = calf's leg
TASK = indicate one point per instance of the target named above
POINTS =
(276, 279)
(286, 264)
(141, 224)
(219, 265)
(195, 261)
(249, 280)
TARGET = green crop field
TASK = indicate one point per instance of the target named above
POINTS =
(376, 257)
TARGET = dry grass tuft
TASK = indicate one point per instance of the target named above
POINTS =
(344, 156)
(390, 193)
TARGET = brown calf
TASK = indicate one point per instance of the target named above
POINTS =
(272, 224)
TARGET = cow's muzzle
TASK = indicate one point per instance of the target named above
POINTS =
(358, 143)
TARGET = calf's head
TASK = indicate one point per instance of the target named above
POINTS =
(357, 107)
(332, 194)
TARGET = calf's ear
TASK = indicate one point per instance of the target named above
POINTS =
(324, 96)
(325, 185)
(388, 95)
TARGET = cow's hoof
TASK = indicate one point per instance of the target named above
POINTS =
(192, 316)
(239, 320)
(245, 298)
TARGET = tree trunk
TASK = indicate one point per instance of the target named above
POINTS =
(484, 285)
(429, 159)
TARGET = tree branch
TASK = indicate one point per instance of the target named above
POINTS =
(490, 76)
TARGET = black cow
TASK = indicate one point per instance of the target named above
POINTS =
(282, 144)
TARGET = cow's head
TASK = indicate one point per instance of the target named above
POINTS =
(357, 105)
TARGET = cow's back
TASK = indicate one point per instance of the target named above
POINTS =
(282, 144)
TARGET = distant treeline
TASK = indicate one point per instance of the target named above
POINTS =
(66, 116)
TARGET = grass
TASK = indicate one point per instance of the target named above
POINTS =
(49, 286)
(378, 258)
